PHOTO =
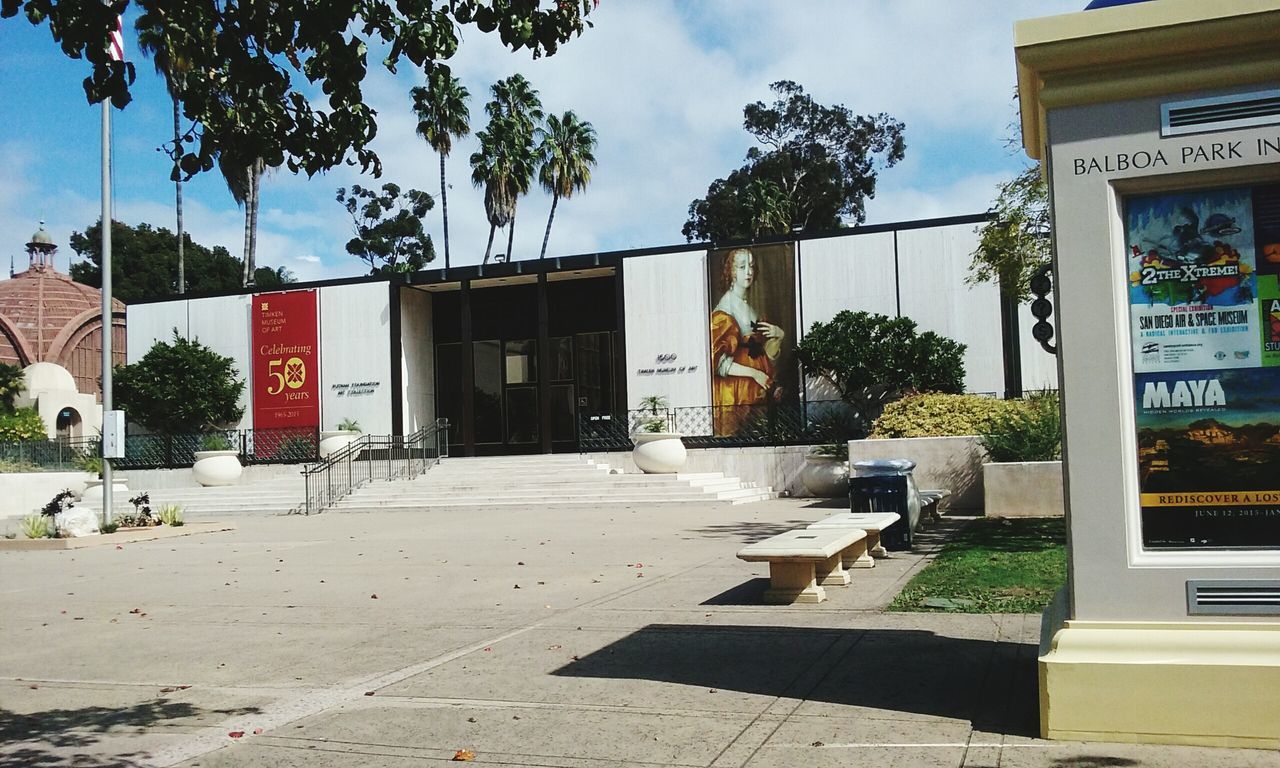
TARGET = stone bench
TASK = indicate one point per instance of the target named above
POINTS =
(931, 502)
(803, 561)
(871, 522)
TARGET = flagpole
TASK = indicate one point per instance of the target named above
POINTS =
(106, 305)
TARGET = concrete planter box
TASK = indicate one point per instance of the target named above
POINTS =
(217, 468)
(953, 463)
(1023, 489)
(825, 477)
(658, 452)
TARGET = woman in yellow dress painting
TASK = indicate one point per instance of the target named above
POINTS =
(744, 348)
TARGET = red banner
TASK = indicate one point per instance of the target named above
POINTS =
(286, 360)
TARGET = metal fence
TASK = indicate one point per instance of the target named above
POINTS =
(374, 457)
(725, 426)
(285, 445)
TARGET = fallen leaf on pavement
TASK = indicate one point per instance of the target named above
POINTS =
(555, 647)
(369, 693)
(464, 755)
(257, 731)
(373, 597)
(235, 734)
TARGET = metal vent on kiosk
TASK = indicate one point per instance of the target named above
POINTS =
(1245, 597)
(1220, 113)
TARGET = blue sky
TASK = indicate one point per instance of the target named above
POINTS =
(662, 81)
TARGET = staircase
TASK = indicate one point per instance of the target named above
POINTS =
(276, 496)
(558, 480)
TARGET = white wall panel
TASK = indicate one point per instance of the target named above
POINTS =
(145, 324)
(1039, 368)
(221, 323)
(417, 359)
(666, 314)
(932, 266)
(355, 349)
(853, 272)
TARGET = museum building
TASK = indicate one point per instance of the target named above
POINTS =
(516, 355)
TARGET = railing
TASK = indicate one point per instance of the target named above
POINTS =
(724, 426)
(374, 457)
(285, 445)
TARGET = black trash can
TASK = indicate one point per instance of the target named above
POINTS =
(886, 485)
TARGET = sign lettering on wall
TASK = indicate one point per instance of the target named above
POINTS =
(1204, 312)
(286, 361)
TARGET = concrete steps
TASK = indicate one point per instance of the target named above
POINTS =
(545, 481)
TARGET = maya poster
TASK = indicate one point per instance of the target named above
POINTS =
(286, 361)
(1203, 309)
(752, 296)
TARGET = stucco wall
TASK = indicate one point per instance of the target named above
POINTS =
(666, 314)
(355, 348)
(950, 463)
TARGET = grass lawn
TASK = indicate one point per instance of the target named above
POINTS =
(992, 566)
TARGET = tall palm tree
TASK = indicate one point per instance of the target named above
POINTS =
(491, 168)
(443, 116)
(566, 152)
(154, 40)
(243, 181)
(516, 102)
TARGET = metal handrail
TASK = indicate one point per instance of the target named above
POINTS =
(374, 457)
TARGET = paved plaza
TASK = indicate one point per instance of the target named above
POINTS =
(620, 636)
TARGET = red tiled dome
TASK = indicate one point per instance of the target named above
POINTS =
(47, 317)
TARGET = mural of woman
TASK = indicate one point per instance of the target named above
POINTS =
(744, 347)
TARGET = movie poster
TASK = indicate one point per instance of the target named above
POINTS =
(753, 334)
(1203, 269)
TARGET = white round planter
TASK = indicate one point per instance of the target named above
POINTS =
(92, 495)
(658, 452)
(217, 467)
(825, 477)
(332, 442)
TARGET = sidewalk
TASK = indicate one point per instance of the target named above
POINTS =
(618, 636)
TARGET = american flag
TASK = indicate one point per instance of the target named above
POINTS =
(115, 47)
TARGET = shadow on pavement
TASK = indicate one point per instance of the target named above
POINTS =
(67, 729)
(748, 530)
(992, 684)
(750, 592)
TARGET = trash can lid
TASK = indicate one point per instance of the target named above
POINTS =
(873, 467)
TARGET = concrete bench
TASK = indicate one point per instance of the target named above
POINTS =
(871, 522)
(803, 561)
(931, 502)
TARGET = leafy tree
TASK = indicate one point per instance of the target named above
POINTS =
(254, 68)
(514, 114)
(180, 387)
(566, 152)
(1016, 241)
(154, 41)
(11, 385)
(388, 227)
(875, 359)
(21, 425)
(441, 108)
(822, 162)
(142, 263)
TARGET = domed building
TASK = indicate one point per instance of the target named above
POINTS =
(46, 317)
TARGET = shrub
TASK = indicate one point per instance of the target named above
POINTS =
(22, 424)
(939, 415)
(215, 442)
(9, 466)
(1030, 432)
(349, 425)
(180, 387)
(875, 359)
(171, 515)
(35, 526)
(88, 462)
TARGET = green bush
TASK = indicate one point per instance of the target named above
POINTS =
(22, 424)
(180, 387)
(939, 415)
(1032, 431)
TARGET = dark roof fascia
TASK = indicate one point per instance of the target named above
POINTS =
(333, 281)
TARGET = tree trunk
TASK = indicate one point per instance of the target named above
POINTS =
(177, 184)
(511, 232)
(248, 215)
(547, 235)
(444, 209)
(489, 248)
(253, 230)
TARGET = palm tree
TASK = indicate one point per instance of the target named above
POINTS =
(491, 169)
(442, 113)
(566, 152)
(243, 180)
(154, 40)
(516, 102)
